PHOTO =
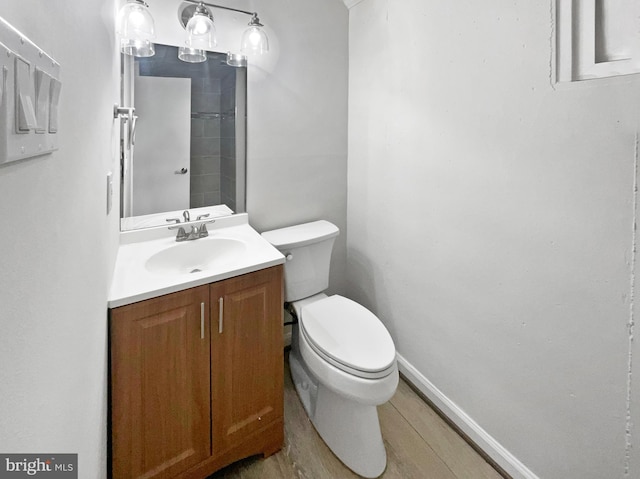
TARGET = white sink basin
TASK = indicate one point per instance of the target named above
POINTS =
(150, 262)
(195, 256)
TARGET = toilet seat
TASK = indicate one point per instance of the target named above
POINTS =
(348, 336)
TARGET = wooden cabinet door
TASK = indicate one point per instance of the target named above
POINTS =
(160, 385)
(246, 356)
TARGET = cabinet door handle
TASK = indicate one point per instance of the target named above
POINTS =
(201, 320)
(220, 314)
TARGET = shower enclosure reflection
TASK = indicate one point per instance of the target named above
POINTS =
(188, 148)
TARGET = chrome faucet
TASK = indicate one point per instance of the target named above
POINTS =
(198, 230)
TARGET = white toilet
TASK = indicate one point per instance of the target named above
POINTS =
(343, 360)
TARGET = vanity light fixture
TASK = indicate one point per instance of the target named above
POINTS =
(192, 55)
(136, 29)
(254, 40)
(201, 34)
(197, 20)
(236, 59)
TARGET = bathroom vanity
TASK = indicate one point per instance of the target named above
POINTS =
(196, 366)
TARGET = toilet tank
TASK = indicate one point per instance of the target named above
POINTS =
(307, 248)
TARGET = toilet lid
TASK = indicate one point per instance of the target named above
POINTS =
(349, 335)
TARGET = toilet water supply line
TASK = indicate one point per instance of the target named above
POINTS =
(291, 311)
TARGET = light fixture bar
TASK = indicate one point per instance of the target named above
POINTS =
(196, 2)
(197, 20)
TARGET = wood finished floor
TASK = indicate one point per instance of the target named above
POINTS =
(419, 444)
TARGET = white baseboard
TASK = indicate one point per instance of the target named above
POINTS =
(479, 436)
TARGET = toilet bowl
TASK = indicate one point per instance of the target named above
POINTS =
(343, 360)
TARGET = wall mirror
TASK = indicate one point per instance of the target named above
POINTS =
(185, 146)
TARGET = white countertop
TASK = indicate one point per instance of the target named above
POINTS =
(133, 282)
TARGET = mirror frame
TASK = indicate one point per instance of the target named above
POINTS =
(127, 72)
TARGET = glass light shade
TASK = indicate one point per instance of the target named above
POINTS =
(136, 29)
(236, 59)
(254, 41)
(201, 33)
(137, 48)
(192, 55)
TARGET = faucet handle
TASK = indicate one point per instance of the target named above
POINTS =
(182, 234)
(169, 220)
(203, 232)
(202, 216)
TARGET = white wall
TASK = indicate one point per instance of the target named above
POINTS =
(297, 110)
(490, 223)
(58, 246)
